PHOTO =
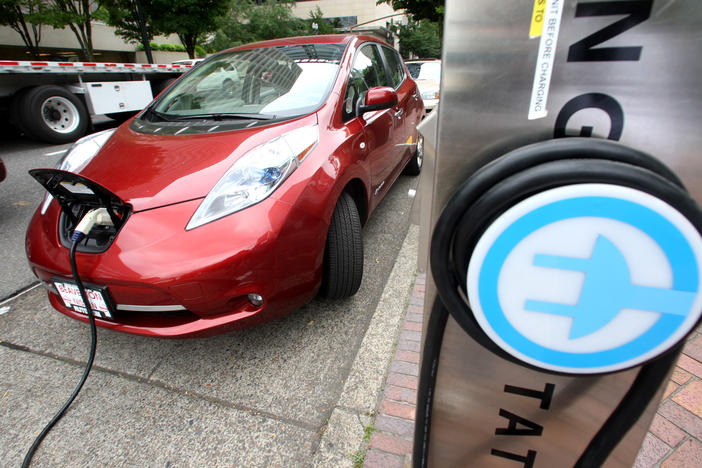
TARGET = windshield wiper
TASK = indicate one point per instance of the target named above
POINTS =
(226, 116)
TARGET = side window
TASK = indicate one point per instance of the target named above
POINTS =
(367, 72)
(397, 72)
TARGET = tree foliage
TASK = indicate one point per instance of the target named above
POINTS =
(191, 20)
(76, 16)
(123, 16)
(419, 10)
(249, 22)
(323, 26)
(421, 39)
(23, 17)
(432, 10)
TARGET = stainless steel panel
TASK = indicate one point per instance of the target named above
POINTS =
(470, 392)
(488, 76)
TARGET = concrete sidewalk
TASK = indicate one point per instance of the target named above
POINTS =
(346, 435)
(674, 438)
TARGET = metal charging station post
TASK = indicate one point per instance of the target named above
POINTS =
(565, 246)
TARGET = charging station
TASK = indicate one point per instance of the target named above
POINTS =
(565, 250)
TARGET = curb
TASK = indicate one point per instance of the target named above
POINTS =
(345, 437)
(390, 445)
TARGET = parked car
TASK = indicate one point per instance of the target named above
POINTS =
(427, 74)
(3, 172)
(233, 206)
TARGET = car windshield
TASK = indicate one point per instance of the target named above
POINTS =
(262, 83)
(425, 70)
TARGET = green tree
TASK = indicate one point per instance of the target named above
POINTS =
(323, 26)
(274, 19)
(191, 20)
(420, 38)
(21, 16)
(433, 10)
(76, 16)
(123, 16)
(248, 21)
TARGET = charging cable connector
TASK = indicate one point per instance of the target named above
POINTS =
(99, 216)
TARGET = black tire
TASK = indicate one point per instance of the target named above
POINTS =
(14, 111)
(52, 114)
(414, 166)
(343, 255)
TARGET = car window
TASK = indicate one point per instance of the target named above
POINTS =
(223, 76)
(279, 81)
(367, 72)
(425, 70)
(397, 72)
(414, 68)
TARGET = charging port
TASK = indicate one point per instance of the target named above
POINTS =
(78, 196)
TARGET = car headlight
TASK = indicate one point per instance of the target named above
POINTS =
(256, 175)
(79, 155)
(428, 95)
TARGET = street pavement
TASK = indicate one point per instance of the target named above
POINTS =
(20, 194)
(298, 391)
(261, 397)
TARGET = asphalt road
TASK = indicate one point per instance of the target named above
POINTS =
(257, 397)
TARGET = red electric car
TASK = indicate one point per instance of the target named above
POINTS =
(236, 202)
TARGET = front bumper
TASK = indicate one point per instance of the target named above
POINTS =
(169, 282)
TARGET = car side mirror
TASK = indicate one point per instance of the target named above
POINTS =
(382, 97)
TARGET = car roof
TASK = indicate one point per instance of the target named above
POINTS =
(188, 61)
(320, 39)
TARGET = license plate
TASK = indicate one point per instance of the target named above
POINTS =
(70, 294)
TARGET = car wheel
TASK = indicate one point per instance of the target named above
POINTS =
(414, 167)
(52, 114)
(343, 254)
(14, 111)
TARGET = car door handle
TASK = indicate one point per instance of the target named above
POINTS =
(399, 113)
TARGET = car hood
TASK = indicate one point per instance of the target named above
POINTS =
(149, 171)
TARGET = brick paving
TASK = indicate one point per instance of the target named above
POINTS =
(674, 439)
(391, 443)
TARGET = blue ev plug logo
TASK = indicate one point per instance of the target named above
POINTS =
(587, 278)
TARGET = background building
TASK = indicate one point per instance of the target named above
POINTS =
(358, 16)
(61, 44)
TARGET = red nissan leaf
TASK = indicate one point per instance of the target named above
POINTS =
(237, 195)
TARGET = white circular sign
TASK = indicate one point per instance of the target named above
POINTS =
(587, 278)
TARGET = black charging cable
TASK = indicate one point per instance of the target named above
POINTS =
(88, 366)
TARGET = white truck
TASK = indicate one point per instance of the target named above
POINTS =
(53, 101)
